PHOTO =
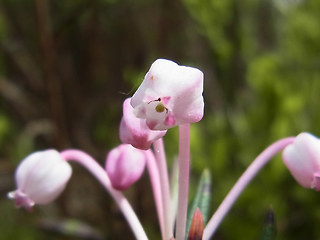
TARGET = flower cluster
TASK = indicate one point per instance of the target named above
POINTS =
(170, 95)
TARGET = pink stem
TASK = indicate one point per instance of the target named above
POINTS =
(156, 187)
(184, 168)
(165, 190)
(242, 182)
(92, 166)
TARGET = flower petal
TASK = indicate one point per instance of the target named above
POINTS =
(135, 131)
(125, 165)
(169, 95)
(40, 178)
(302, 158)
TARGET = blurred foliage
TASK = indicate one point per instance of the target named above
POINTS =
(269, 229)
(66, 67)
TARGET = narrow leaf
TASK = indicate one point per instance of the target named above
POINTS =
(197, 226)
(70, 227)
(269, 230)
(201, 199)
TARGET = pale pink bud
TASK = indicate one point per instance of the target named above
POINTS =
(40, 179)
(135, 131)
(169, 95)
(302, 158)
(125, 165)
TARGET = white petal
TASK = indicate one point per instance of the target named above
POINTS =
(43, 175)
(303, 158)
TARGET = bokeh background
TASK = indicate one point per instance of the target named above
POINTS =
(67, 66)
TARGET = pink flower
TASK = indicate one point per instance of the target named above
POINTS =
(135, 131)
(125, 165)
(302, 158)
(40, 179)
(169, 95)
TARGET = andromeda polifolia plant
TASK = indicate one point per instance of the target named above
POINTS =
(169, 96)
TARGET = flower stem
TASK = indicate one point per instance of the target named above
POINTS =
(184, 166)
(92, 166)
(242, 182)
(156, 187)
(164, 180)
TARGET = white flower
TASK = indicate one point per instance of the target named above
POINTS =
(169, 95)
(302, 158)
(40, 178)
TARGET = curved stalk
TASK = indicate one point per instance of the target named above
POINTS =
(92, 166)
(241, 184)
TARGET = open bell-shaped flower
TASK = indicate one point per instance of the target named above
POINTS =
(135, 131)
(125, 165)
(302, 158)
(169, 95)
(40, 179)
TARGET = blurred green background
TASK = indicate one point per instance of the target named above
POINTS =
(67, 66)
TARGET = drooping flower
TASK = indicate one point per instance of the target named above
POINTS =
(40, 178)
(169, 95)
(135, 131)
(302, 158)
(125, 165)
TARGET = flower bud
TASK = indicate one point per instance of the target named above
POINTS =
(40, 179)
(169, 95)
(197, 226)
(302, 158)
(135, 131)
(125, 165)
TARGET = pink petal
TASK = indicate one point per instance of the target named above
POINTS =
(177, 90)
(125, 165)
(302, 158)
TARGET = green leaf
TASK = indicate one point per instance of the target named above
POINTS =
(201, 199)
(269, 230)
(70, 227)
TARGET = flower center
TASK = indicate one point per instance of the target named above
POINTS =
(160, 107)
